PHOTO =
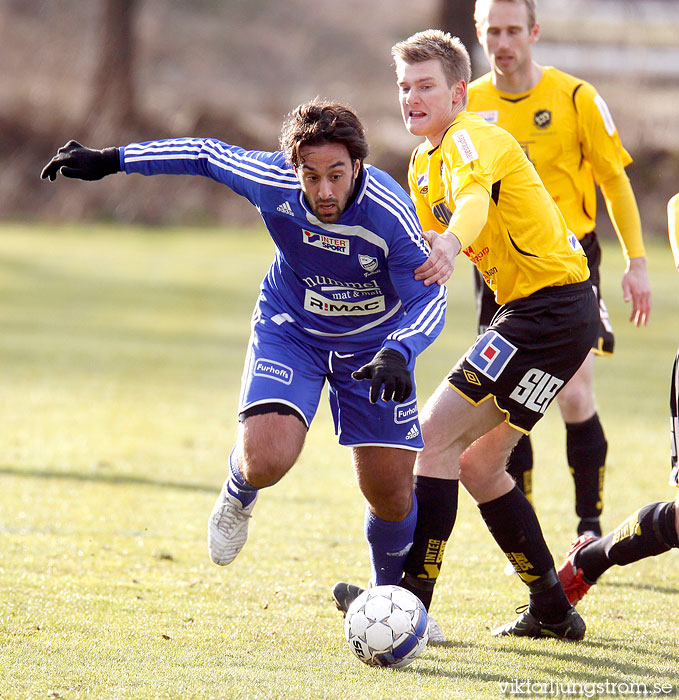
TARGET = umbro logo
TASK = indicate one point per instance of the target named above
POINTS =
(413, 432)
(285, 208)
(471, 377)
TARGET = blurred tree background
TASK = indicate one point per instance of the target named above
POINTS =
(108, 72)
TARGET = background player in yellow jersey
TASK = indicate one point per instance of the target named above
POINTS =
(567, 132)
(651, 530)
(477, 193)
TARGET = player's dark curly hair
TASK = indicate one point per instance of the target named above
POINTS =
(319, 122)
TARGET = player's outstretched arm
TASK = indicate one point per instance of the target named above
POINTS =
(624, 214)
(388, 368)
(76, 161)
(637, 289)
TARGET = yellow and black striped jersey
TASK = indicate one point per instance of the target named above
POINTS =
(566, 130)
(524, 245)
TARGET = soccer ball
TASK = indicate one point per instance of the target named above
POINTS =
(387, 626)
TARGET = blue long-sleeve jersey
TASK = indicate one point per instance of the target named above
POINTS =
(342, 286)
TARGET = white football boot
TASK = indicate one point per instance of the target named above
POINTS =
(227, 529)
(435, 633)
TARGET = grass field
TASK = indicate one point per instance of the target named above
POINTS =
(121, 353)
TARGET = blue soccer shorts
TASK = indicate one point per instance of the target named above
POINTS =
(281, 368)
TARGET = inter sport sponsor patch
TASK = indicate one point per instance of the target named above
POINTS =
(331, 243)
(318, 304)
(273, 370)
(490, 354)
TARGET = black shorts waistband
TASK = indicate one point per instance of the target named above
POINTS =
(562, 290)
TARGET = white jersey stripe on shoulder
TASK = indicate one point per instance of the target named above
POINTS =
(605, 114)
(212, 145)
(253, 171)
(414, 234)
(287, 172)
(262, 178)
(389, 196)
(185, 148)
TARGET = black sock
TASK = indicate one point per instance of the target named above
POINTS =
(520, 466)
(437, 510)
(648, 532)
(515, 527)
(586, 449)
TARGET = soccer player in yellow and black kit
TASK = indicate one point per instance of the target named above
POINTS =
(476, 193)
(567, 132)
(651, 530)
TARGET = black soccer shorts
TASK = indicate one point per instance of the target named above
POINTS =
(604, 343)
(532, 347)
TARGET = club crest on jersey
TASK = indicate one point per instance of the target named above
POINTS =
(330, 243)
(542, 118)
(368, 262)
(405, 412)
(442, 212)
(273, 370)
(490, 354)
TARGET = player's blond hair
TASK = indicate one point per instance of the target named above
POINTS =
(434, 43)
(483, 8)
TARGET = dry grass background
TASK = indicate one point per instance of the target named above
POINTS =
(232, 68)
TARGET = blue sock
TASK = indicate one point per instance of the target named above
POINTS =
(389, 545)
(236, 484)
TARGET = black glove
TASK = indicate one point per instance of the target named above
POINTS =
(388, 367)
(74, 160)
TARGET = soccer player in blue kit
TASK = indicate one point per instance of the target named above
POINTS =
(339, 303)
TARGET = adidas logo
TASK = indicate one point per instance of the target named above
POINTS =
(413, 432)
(285, 208)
